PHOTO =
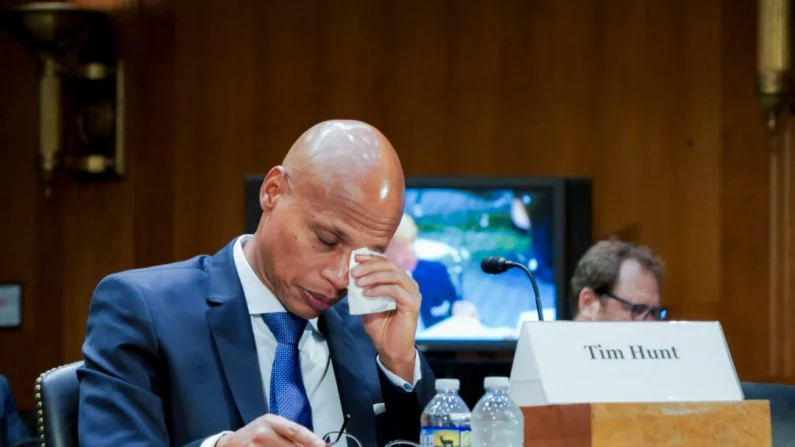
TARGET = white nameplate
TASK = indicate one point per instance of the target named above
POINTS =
(567, 362)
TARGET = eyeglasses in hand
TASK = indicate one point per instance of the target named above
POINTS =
(337, 435)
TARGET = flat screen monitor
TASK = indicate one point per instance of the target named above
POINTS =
(451, 224)
(459, 222)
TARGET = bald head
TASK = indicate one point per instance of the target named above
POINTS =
(349, 157)
(339, 188)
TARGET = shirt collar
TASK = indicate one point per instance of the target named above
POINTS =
(259, 299)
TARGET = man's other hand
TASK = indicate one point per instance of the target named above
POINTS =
(271, 431)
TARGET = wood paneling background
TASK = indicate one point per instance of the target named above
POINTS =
(30, 243)
(654, 100)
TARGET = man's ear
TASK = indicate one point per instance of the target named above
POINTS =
(588, 303)
(272, 188)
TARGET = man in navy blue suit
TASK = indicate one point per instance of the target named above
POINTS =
(255, 346)
(439, 298)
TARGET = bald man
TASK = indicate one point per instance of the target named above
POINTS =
(255, 345)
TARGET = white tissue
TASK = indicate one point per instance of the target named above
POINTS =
(358, 303)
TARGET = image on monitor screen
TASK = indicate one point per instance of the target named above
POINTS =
(445, 234)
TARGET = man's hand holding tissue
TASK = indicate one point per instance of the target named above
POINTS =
(392, 331)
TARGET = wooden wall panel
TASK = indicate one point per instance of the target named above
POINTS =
(781, 305)
(654, 100)
(745, 201)
(117, 225)
(30, 246)
(61, 247)
(756, 217)
(149, 57)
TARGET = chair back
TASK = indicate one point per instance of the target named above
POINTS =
(782, 408)
(57, 392)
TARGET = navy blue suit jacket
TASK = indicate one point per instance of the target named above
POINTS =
(170, 360)
(12, 431)
(436, 288)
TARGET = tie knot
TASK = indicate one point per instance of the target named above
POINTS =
(286, 327)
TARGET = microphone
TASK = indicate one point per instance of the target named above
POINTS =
(495, 265)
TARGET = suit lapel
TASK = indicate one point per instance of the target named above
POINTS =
(354, 364)
(230, 325)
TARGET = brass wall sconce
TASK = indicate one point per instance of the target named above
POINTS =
(81, 81)
(774, 75)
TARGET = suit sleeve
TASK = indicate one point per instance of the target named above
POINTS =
(122, 380)
(12, 430)
(404, 408)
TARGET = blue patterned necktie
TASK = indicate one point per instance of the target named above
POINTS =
(287, 395)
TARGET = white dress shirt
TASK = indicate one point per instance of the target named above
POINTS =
(315, 359)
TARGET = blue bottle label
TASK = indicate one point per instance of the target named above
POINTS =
(445, 437)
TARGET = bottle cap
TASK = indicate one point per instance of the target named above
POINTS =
(496, 382)
(447, 384)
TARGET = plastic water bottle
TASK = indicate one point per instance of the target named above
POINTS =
(445, 421)
(496, 419)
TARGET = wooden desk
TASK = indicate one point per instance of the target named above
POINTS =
(707, 424)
